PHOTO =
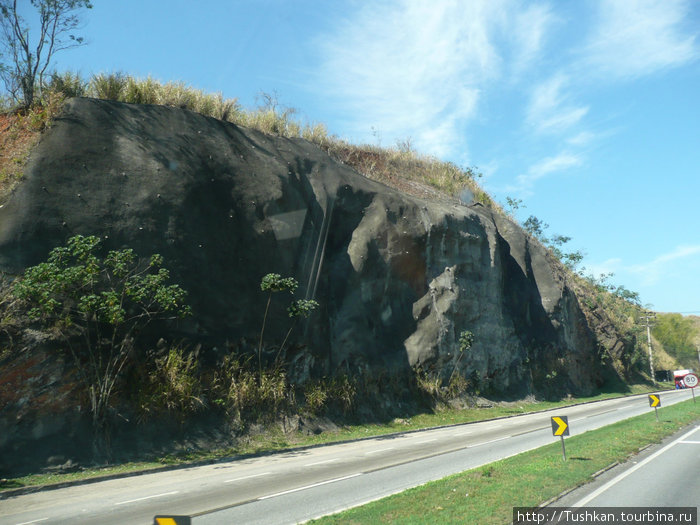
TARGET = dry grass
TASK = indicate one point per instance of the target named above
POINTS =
(400, 167)
(17, 137)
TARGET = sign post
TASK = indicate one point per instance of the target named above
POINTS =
(655, 401)
(560, 427)
(691, 381)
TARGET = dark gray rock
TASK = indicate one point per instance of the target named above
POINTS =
(397, 277)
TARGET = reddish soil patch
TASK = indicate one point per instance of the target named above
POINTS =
(17, 136)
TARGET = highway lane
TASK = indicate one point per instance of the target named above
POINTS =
(333, 476)
(665, 475)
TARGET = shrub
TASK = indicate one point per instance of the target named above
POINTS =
(315, 396)
(247, 395)
(177, 94)
(109, 86)
(140, 91)
(98, 306)
(69, 84)
(173, 386)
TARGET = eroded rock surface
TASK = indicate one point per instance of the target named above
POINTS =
(397, 277)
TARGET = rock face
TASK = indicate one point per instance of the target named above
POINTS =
(397, 277)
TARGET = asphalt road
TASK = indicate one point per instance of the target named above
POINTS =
(665, 475)
(298, 485)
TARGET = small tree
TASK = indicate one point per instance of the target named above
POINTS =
(514, 205)
(98, 306)
(466, 339)
(272, 283)
(297, 310)
(27, 62)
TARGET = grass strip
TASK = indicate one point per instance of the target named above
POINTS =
(274, 440)
(487, 495)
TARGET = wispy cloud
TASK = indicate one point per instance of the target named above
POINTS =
(652, 271)
(411, 68)
(638, 37)
(529, 29)
(550, 109)
(556, 164)
(581, 139)
(603, 268)
(419, 69)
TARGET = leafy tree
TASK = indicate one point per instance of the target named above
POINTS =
(273, 283)
(514, 205)
(677, 333)
(466, 339)
(298, 309)
(98, 307)
(628, 295)
(25, 63)
(535, 227)
(301, 308)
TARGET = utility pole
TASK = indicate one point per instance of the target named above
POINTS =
(646, 320)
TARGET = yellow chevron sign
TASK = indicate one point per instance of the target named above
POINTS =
(172, 520)
(560, 426)
(654, 400)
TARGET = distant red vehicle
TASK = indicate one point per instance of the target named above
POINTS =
(679, 376)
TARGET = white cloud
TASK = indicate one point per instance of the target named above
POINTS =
(581, 139)
(411, 68)
(529, 29)
(546, 166)
(608, 266)
(638, 37)
(549, 110)
(652, 271)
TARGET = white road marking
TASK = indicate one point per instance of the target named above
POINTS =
(247, 477)
(35, 521)
(380, 450)
(322, 462)
(491, 441)
(464, 433)
(605, 412)
(309, 486)
(691, 442)
(626, 473)
(147, 497)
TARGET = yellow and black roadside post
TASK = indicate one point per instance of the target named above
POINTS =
(655, 401)
(560, 427)
(172, 520)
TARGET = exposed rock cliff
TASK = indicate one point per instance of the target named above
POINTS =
(397, 277)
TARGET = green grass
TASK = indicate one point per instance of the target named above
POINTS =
(487, 495)
(273, 439)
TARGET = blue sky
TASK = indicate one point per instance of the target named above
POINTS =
(588, 111)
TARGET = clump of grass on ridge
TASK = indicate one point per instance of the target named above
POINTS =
(401, 167)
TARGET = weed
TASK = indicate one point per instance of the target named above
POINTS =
(173, 386)
(108, 86)
(68, 83)
(141, 91)
(316, 395)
